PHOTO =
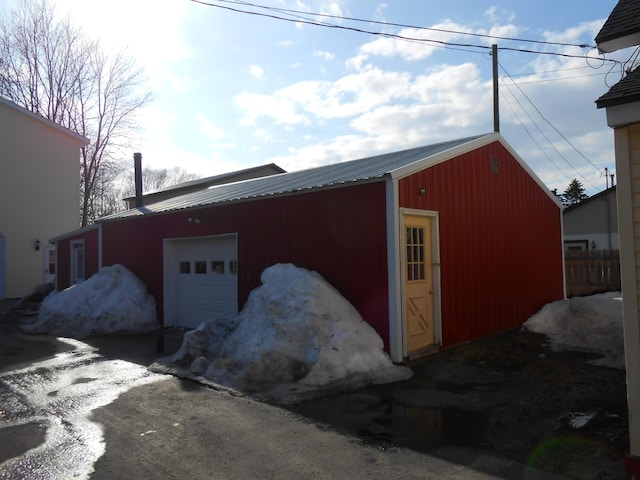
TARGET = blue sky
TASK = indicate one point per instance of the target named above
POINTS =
(235, 90)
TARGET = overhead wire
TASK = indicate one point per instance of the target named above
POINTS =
(401, 25)
(526, 129)
(302, 17)
(299, 18)
(554, 128)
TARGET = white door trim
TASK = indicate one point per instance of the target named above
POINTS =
(77, 275)
(46, 255)
(435, 255)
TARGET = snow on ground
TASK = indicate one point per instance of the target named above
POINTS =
(589, 324)
(296, 338)
(111, 301)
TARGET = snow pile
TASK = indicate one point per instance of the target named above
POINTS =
(588, 324)
(113, 300)
(296, 338)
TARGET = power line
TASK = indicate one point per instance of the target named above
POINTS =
(526, 129)
(554, 128)
(435, 43)
(432, 29)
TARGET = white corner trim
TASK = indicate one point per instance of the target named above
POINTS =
(396, 327)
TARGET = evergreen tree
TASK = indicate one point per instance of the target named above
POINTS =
(574, 193)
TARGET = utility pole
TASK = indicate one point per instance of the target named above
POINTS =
(496, 100)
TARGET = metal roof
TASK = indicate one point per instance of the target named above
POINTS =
(227, 177)
(364, 169)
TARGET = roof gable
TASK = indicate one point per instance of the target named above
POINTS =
(17, 108)
(622, 28)
(588, 200)
(626, 90)
(375, 168)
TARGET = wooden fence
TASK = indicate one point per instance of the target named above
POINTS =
(592, 271)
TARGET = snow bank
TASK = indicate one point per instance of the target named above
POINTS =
(113, 300)
(589, 324)
(296, 337)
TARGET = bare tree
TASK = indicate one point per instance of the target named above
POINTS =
(154, 179)
(51, 68)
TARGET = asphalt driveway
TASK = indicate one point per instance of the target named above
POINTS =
(504, 407)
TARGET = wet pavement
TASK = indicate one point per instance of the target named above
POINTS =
(504, 407)
(508, 396)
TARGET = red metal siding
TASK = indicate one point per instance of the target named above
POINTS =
(63, 276)
(339, 233)
(500, 241)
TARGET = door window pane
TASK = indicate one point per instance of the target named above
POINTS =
(77, 262)
(201, 266)
(185, 267)
(233, 267)
(415, 253)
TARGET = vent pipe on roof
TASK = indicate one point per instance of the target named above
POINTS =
(137, 171)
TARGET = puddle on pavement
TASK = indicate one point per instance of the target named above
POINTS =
(379, 420)
(18, 439)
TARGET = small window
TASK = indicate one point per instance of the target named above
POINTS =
(201, 266)
(217, 267)
(233, 267)
(185, 267)
(495, 166)
(415, 253)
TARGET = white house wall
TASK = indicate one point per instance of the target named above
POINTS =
(39, 192)
(627, 144)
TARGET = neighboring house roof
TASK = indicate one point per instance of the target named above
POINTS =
(586, 201)
(8, 103)
(368, 169)
(202, 183)
(622, 28)
(625, 91)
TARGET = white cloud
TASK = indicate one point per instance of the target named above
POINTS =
(331, 8)
(256, 71)
(417, 49)
(208, 129)
(324, 55)
(255, 105)
(379, 13)
(496, 15)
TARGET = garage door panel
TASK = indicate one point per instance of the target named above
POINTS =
(205, 283)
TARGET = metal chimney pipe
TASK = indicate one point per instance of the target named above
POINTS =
(137, 171)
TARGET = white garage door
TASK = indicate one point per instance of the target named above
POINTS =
(205, 280)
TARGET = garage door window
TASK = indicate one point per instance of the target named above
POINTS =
(185, 267)
(201, 266)
(217, 267)
(233, 267)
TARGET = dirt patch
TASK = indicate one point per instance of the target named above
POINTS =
(509, 396)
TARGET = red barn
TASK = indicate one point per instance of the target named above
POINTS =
(435, 245)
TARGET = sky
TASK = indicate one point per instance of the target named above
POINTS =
(235, 90)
